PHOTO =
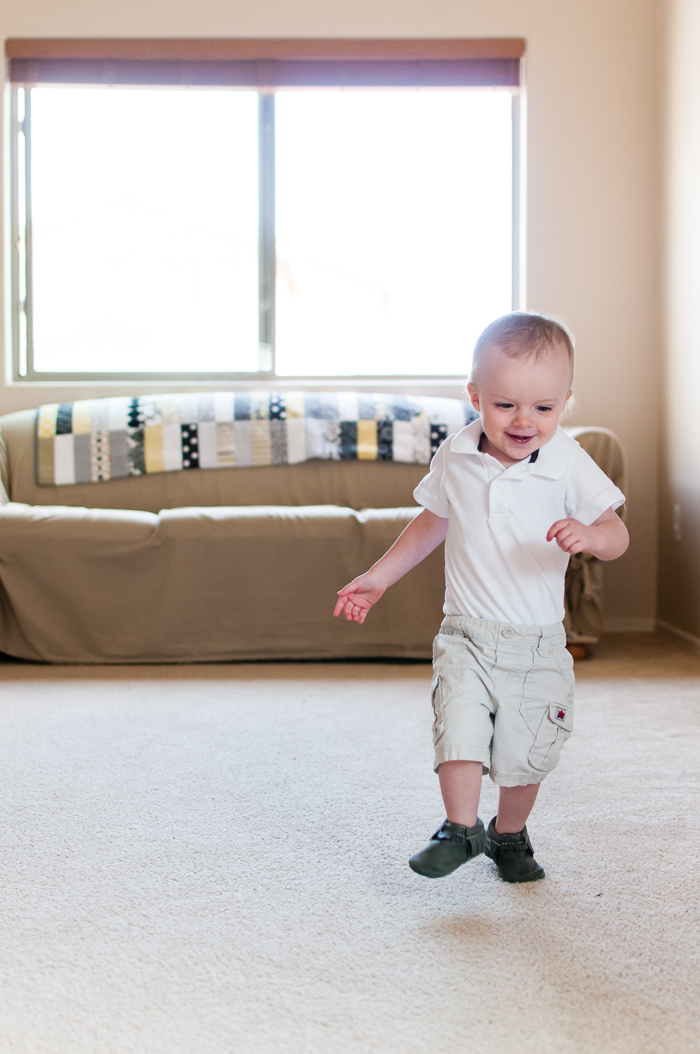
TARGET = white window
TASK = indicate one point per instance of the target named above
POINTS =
(242, 230)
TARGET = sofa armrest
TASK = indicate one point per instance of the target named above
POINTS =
(583, 600)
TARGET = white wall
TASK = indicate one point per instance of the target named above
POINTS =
(593, 77)
(679, 565)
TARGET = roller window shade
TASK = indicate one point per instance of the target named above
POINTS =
(267, 64)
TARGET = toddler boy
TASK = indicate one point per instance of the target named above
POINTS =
(512, 496)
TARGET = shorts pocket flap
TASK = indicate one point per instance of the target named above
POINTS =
(562, 715)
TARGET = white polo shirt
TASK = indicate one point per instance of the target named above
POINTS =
(498, 563)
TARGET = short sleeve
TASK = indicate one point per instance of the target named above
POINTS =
(589, 492)
(430, 492)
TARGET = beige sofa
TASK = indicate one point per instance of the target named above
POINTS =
(223, 564)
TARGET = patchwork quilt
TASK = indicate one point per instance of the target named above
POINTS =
(101, 439)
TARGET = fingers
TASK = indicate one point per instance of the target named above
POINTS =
(355, 613)
(355, 599)
(570, 541)
(568, 536)
(344, 607)
(342, 601)
(556, 528)
(352, 611)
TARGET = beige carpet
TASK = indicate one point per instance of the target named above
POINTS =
(212, 860)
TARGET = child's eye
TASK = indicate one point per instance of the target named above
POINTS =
(504, 406)
(544, 409)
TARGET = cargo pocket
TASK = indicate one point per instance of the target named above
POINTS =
(556, 726)
(436, 696)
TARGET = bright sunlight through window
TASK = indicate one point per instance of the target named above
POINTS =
(393, 229)
(389, 230)
(145, 230)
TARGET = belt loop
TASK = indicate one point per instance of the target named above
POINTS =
(543, 646)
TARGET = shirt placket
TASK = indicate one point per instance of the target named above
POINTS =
(498, 496)
(499, 489)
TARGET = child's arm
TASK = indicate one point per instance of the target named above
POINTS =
(606, 539)
(418, 540)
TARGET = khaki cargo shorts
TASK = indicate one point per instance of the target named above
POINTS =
(502, 695)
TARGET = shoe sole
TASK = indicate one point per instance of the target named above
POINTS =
(534, 877)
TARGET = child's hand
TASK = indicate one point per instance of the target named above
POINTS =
(571, 536)
(606, 539)
(355, 599)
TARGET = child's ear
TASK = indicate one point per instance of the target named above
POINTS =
(473, 396)
(569, 406)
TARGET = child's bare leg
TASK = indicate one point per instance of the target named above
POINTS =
(514, 807)
(507, 841)
(462, 835)
(460, 786)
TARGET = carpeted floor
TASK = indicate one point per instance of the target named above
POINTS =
(212, 860)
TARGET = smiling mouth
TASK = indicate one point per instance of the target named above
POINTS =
(522, 440)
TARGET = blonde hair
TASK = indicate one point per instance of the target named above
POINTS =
(523, 333)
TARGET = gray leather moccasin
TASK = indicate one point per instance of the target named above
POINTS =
(449, 847)
(513, 855)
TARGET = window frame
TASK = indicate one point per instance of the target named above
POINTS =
(264, 66)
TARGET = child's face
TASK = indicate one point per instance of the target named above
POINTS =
(520, 401)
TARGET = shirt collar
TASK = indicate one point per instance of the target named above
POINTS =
(553, 459)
